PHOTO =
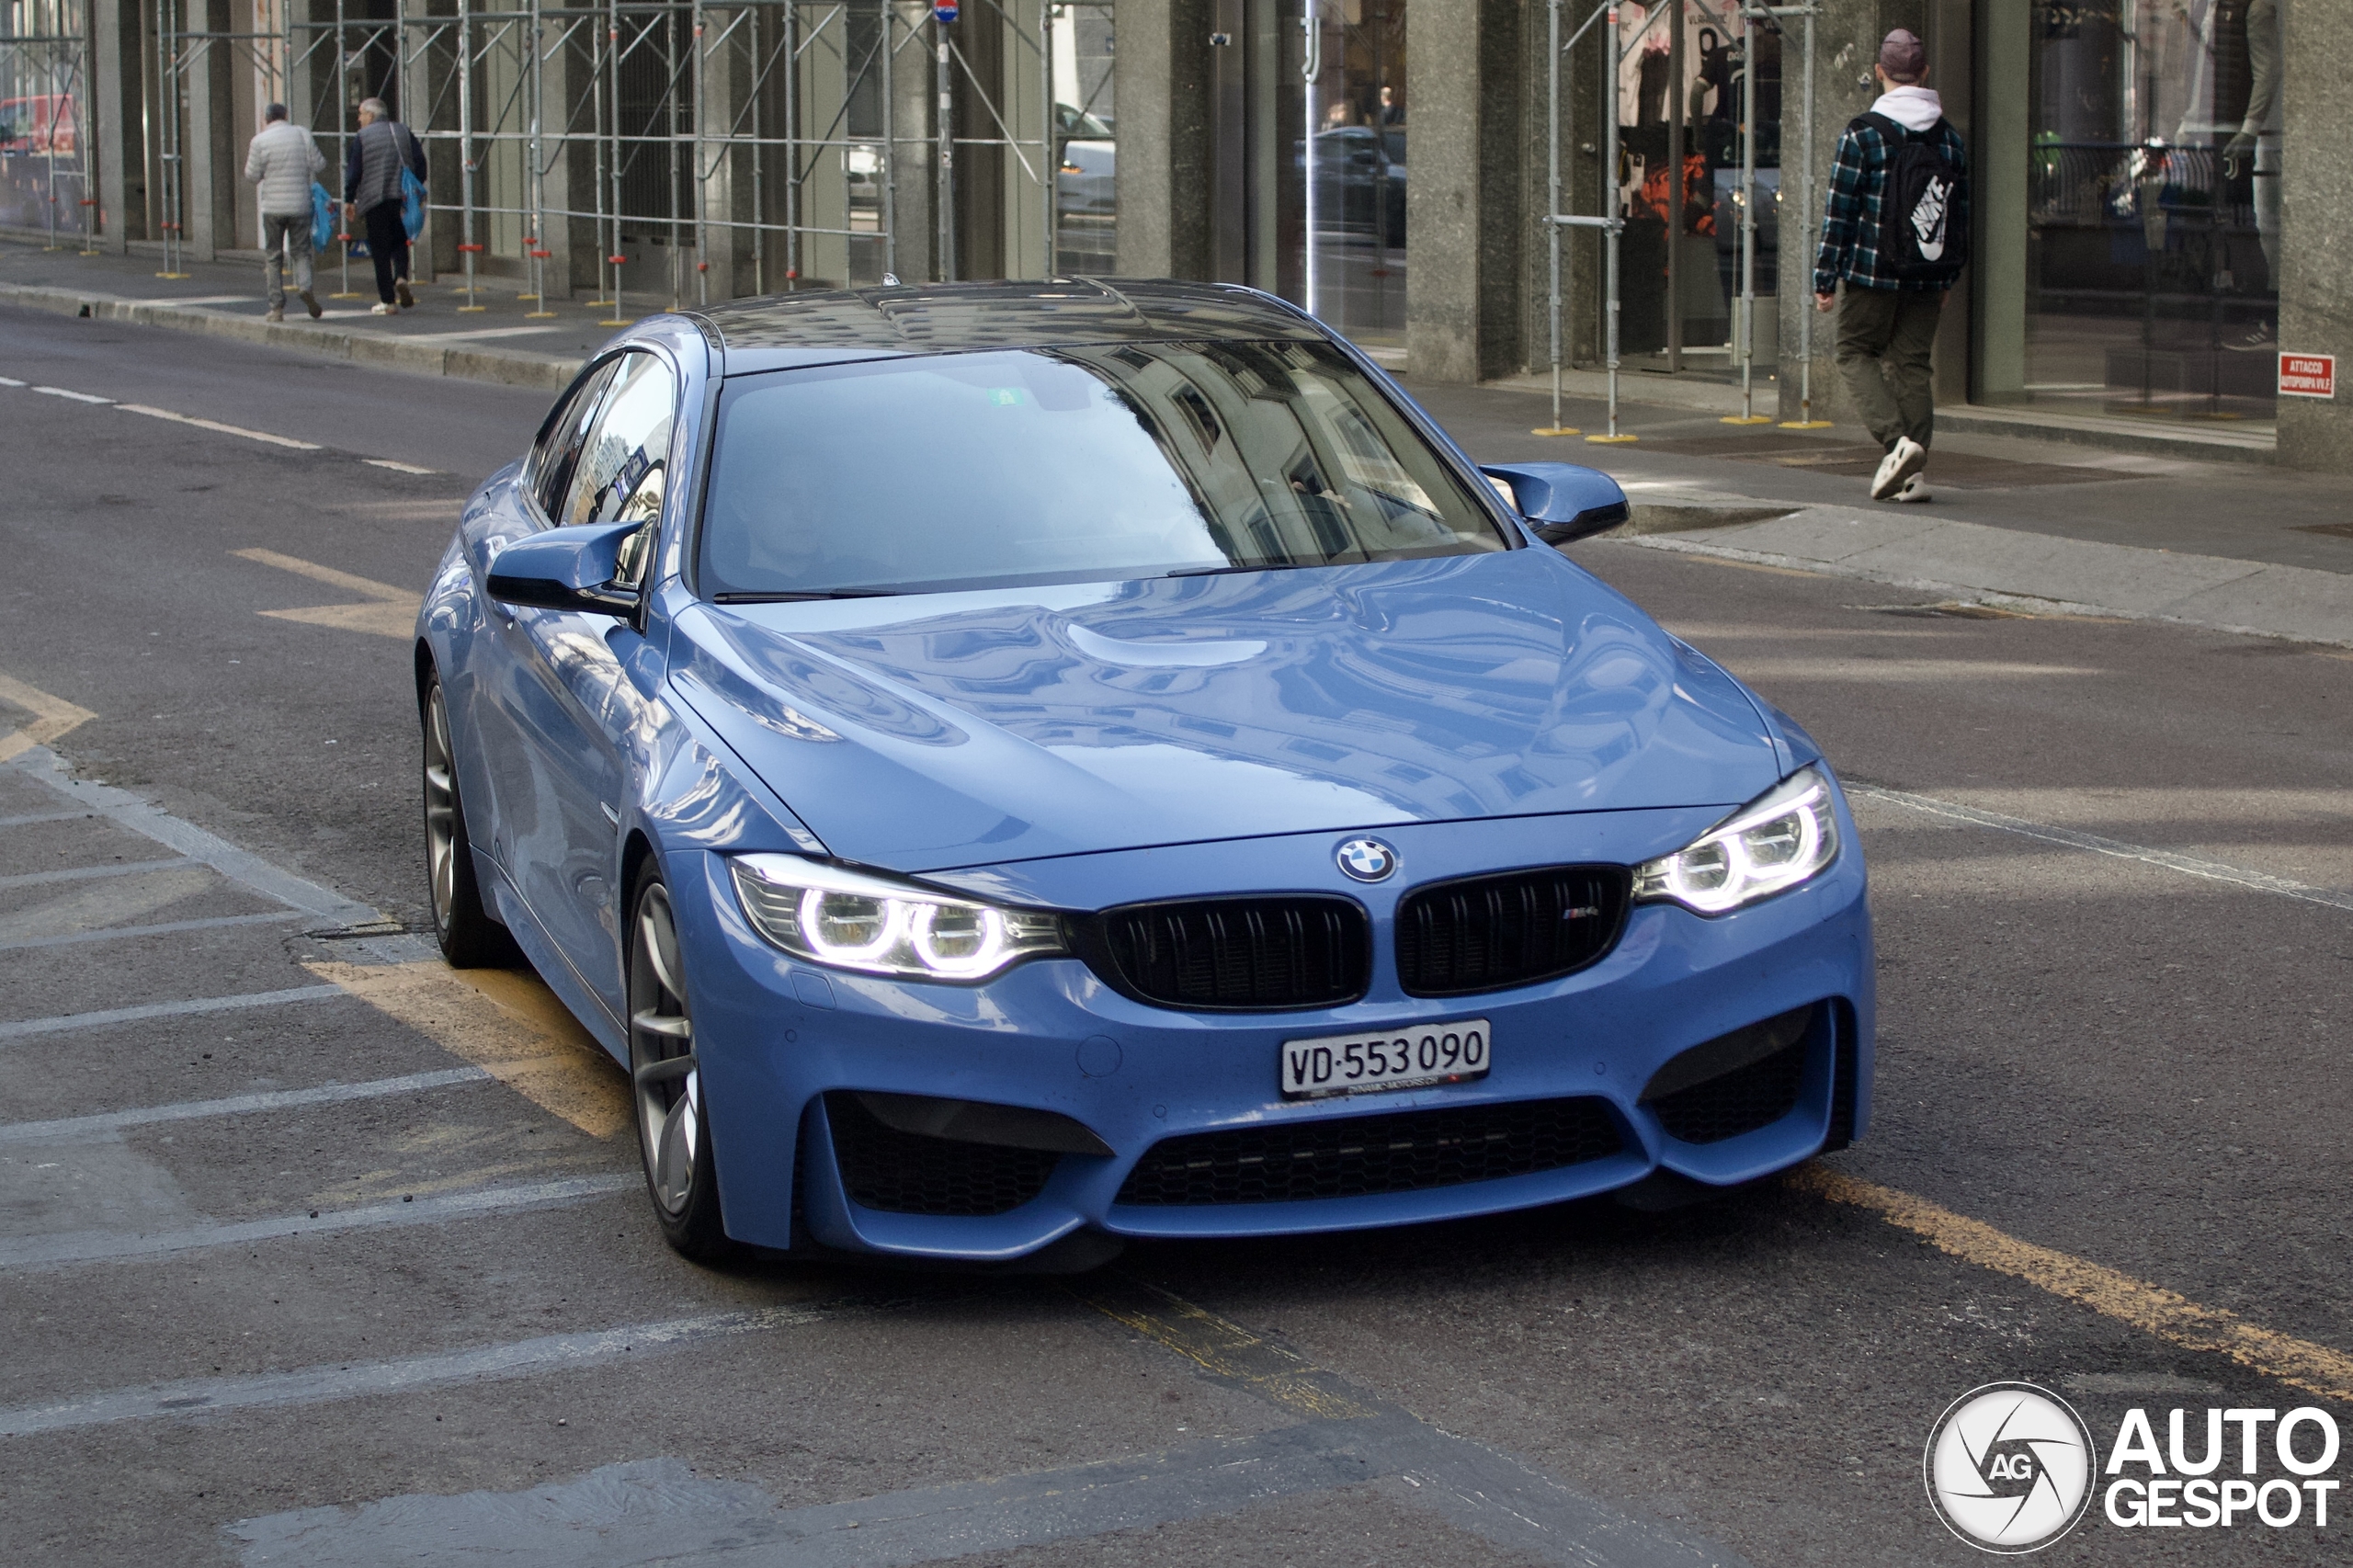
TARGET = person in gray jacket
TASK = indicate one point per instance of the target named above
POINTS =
(371, 193)
(282, 161)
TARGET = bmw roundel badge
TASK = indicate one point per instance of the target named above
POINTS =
(1366, 860)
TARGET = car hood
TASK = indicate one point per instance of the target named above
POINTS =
(931, 732)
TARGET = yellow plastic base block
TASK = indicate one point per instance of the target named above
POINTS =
(470, 310)
(615, 321)
(598, 305)
(539, 315)
(350, 296)
(1612, 440)
(1746, 419)
(1805, 424)
(1554, 430)
(526, 299)
(175, 276)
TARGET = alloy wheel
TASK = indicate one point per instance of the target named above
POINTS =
(662, 1053)
(440, 810)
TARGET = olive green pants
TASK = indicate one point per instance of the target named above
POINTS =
(1886, 337)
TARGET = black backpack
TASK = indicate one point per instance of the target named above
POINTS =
(1918, 242)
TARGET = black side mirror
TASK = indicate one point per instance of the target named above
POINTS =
(1562, 501)
(574, 569)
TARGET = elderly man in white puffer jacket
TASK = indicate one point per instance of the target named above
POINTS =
(283, 160)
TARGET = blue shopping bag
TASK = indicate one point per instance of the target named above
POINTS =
(411, 202)
(323, 216)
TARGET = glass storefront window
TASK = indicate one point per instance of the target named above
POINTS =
(1086, 204)
(2153, 230)
(1685, 71)
(1355, 176)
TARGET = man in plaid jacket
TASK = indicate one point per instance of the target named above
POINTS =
(1887, 327)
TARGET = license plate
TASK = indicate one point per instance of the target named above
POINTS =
(1369, 1061)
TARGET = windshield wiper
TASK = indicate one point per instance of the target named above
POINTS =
(787, 598)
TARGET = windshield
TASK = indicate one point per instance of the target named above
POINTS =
(1131, 460)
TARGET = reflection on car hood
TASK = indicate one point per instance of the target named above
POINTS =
(937, 730)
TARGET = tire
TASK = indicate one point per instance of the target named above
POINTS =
(673, 1118)
(468, 936)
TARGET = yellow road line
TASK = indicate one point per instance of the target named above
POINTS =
(389, 612)
(328, 575)
(1226, 1349)
(509, 1025)
(2172, 1317)
(52, 716)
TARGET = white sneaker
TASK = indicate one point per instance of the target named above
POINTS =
(1904, 460)
(1916, 488)
(392, 309)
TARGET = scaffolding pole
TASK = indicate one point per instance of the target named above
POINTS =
(1809, 208)
(587, 119)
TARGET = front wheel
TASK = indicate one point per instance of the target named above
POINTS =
(468, 937)
(672, 1122)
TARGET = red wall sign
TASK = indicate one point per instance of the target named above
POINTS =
(2307, 375)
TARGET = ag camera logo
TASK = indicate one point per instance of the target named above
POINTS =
(2010, 1468)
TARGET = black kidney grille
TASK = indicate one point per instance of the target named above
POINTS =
(906, 1173)
(1513, 928)
(1358, 1156)
(1234, 954)
(1740, 1101)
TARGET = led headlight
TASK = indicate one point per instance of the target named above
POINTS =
(831, 915)
(1784, 837)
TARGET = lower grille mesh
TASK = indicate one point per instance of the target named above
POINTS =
(1360, 1156)
(1740, 1101)
(906, 1173)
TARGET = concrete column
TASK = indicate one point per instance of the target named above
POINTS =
(1468, 219)
(568, 152)
(1847, 38)
(208, 154)
(725, 174)
(1161, 78)
(114, 102)
(911, 176)
(1998, 163)
(2315, 290)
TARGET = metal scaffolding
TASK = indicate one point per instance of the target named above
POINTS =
(44, 180)
(679, 151)
(1611, 221)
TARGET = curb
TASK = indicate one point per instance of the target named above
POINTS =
(504, 367)
(1978, 592)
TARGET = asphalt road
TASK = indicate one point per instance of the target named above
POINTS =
(361, 1272)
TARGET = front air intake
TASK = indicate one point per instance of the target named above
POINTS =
(1359, 1156)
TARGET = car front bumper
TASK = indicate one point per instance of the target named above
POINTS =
(777, 1036)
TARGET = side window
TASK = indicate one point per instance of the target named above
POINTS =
(558, 452)
(622, 472)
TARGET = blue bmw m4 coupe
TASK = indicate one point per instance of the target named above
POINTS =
(1010, 768)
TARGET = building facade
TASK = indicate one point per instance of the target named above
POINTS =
(2158, 183)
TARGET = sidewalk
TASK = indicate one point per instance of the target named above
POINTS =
(2040, 523)
(496, 343)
